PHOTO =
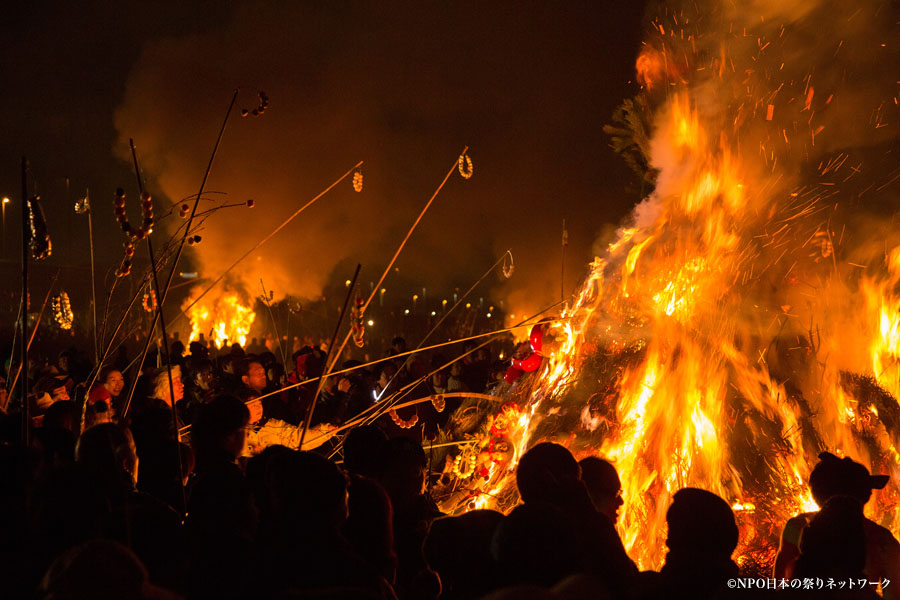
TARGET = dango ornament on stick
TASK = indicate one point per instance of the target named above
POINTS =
(146, 227)
(149, 301)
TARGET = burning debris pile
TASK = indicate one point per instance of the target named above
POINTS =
(224, 319)
(744, 321)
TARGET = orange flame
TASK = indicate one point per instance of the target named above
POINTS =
(223, 320)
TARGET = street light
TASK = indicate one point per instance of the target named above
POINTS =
(5, 202)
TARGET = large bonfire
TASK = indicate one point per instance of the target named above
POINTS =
(744, 321)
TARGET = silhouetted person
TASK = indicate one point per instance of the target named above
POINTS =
(365, 451)
(107, 456)
(222, 519)
(459, 550)
(834, 476)
(833, 545)
(404, 480)
(536, 544)
(305, 551)
(100, 570)
(549, 473)
(702, 537)
(370, 525)
(603, 486)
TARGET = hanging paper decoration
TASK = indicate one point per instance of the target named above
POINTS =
(465, 166)
(149, 301)
(146, 227)
(62, 311)
(38, 239)
(357, 181)
(357, 329)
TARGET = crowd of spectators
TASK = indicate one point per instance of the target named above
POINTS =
(145, 489)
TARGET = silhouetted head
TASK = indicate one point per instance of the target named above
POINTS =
(75, 573)
(603, 485)
(459, 549)
(365, 451)
(220, 428)
(544, 471)
(834, 476)
(700, 522)
(308, 490)
(108, 452)
(403, 476)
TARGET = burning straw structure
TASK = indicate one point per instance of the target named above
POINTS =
(744, 321)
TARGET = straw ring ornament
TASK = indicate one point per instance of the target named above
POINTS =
(465, 166)
(508, 269)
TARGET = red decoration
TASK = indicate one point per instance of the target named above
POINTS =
(531, 363)
(536, 337)
(512, 375)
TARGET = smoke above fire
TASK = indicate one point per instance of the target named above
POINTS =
(404, 91)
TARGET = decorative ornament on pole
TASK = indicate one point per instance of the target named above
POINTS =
(83, 204)
(38, 238)
(260, 108)
(146, 228)
(357, 328)
(62, 311)
(358, 181)
(465, 166)
(149, 301)
(508, 269)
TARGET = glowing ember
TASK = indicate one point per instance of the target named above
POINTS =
(223, 320)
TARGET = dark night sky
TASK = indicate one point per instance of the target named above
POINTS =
(527, 86)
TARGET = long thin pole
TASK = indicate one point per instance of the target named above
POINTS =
(23, 390)
(161, 299)
(265, 239)
(337, 329)
(165, 337)
(387, 270)
(562, 275)
(90, 212)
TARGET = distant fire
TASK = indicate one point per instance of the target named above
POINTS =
(224, 319)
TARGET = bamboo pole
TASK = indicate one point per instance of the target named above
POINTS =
(399, 250)
(337, 330)
(161, 299)
(165, 338)
(26, 425)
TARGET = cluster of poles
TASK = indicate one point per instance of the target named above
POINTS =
(173, 250)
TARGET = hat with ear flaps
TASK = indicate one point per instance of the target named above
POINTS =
(834, 476)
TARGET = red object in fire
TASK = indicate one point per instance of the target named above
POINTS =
(512, 375)
(536, 337)
(531, 363)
